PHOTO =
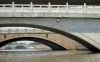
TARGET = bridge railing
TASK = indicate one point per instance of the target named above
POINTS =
(4, 31)
(49, 8)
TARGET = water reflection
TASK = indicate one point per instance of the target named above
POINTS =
(25, 46)
(20, 47)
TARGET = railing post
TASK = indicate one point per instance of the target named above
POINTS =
(17, 30)
(33, 30)
(22, 8)
(49, 7)
(58, 9)
(4, 8)
(84, 7)
(75, 9)
(93, 9)
(13, 6)
(31, 7)
(9, 30)
(40, 9)
(67, 7)
(25, 30)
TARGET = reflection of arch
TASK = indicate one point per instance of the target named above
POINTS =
(8, 48)
(51, 44)
(20, 47)
(58, 27)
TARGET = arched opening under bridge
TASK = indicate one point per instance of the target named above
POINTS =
(8, 48)
(50, 44)
(20, 47)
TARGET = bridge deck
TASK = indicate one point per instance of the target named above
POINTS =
(33, 10)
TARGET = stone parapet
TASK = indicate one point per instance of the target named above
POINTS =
(29, 14)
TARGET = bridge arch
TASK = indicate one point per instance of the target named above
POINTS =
(20, 47)
(52, 25)
(8, 48)
(49, 43)
(12, 47)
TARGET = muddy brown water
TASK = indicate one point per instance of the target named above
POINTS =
(49, 56)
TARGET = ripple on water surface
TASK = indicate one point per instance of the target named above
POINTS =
(49, 56)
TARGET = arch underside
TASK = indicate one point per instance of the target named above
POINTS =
(51, 44)
(67, 34)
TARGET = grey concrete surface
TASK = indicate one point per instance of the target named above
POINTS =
(29, 14)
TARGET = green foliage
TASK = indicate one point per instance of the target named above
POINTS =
(32, 43)
(13, 43)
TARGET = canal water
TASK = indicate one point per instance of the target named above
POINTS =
(49, 56)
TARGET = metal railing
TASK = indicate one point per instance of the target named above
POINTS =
(4, 31)
(49, 8)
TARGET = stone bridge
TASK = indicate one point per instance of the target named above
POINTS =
(80, 23)
(61, 40)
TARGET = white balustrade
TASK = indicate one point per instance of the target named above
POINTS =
(2, 31)
(49, 8)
